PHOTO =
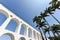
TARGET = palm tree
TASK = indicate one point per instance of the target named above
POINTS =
(47, 30)
(56, 28)
(53, 38)
(40, 23)
(37, 19)
(43, 15)
(49, 11)
(53, 2)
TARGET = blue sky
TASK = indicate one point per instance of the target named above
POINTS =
(27, 9)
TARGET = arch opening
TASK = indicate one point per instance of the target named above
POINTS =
(4, 12)
(37, 36)
(7, 36)
(22, 38)
(2, 18)
(34, 34)
(22, 31)
(29, 32)
(12, 25)
(30, 39)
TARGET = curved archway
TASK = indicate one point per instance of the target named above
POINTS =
(37, 36)
(4, 12)
(17, 21)
(34, 34)
(22, 31)
(7, 36)
(29, 32)
(30, 39)
(12, 24)
(2, 18)
(22, 38)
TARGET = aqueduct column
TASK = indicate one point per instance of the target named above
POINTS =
(18, 29)
(26, 31)
(31, 33)
(4, 25)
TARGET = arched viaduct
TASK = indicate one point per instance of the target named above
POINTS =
(34, 34)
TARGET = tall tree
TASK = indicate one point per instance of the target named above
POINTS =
(49, 11)
(47, 30)
(41, 21)
(36, 19)
(56, 28)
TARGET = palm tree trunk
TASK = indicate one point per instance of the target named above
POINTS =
(54, 34)
(44, 34)
(41, 34)
(49, 34)
(58, 34)
(55, 18)
(48, 25)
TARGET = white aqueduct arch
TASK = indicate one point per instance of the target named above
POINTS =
(15, 35)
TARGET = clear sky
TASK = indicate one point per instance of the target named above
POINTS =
(27, 9)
